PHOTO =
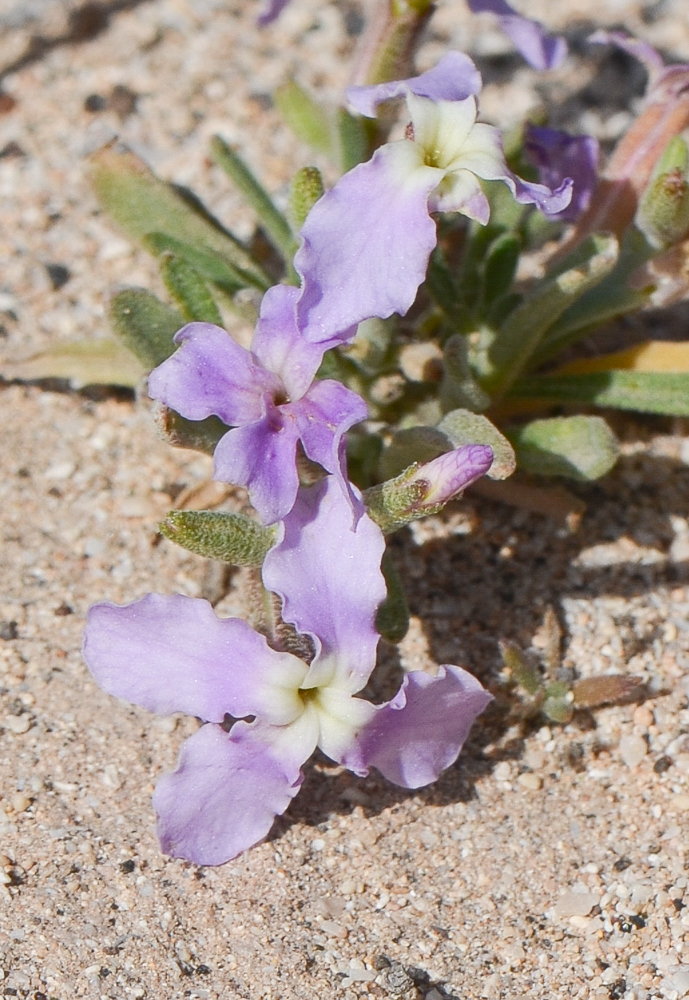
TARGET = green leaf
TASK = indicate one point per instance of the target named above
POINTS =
(231, 538)
(459, 389)
(83, 362)
(611, 297)
(271, 219)
(500, 267)
(142, 204)
(189, 290)
(463, 427)
(392, 619)
(197, 435)
(413, 444)
(645, 392)
(582, 448)
(145, 325)
(211, 266)
(305, 116)
(521, 333)
(352, 135)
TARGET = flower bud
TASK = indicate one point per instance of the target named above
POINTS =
(425, 489)
(663, 214)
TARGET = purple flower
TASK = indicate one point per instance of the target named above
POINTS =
(269, 397)
(270, 10)
(558, 155)
(541, 49)
(367, 241)
(171, 654)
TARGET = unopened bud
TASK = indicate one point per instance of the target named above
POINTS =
(307, 188)
(425, 489)
(663, 215)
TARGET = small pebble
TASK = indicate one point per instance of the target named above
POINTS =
(680, 801)
(576, 904)
(633, 749)
(20, 802)
(643, 716)
(18, 724)
(532, 782)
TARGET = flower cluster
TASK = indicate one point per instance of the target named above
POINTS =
(364, 252)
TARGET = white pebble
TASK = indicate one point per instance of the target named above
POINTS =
(576, 904)
(18, 724)
(633, 749)
(531, 782)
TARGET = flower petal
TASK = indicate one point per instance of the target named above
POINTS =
(558, 155)
(541, 49)
(421, 731)
(172, 654)
(262, 458)
(224, 794)
(210, 373)
(279, 345)
(328, 575)
(454, 78)
(269, 11)
(323, 416)
(366, 243)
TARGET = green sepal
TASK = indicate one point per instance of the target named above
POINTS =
(515, 342)
(230, 538)
(397, 502)
(306, 189)
(272, 220)
(392, 618)
(189, 290)
(464, 427)
(141, 204)
(196, 435)
(459, 389)
(646, 392)
(581, 447)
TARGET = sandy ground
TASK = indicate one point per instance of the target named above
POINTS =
(550, 861)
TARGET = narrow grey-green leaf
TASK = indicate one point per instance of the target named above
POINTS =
(305, 116)
(352, 136)
(580, 447)
(231, 538)
(141, 203)
(605, 300)
(500, 267)
(189, 290)
(103, 361)
(211, 266)
(464, 427)
(645, 392)
(145, 325)
(392, 619)
(521, 333)
(459, 389)
(270, 217)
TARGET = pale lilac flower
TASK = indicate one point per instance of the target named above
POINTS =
(541, 49)
(269, 397)
(367, 241)
(172, 654)
(558, 155)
